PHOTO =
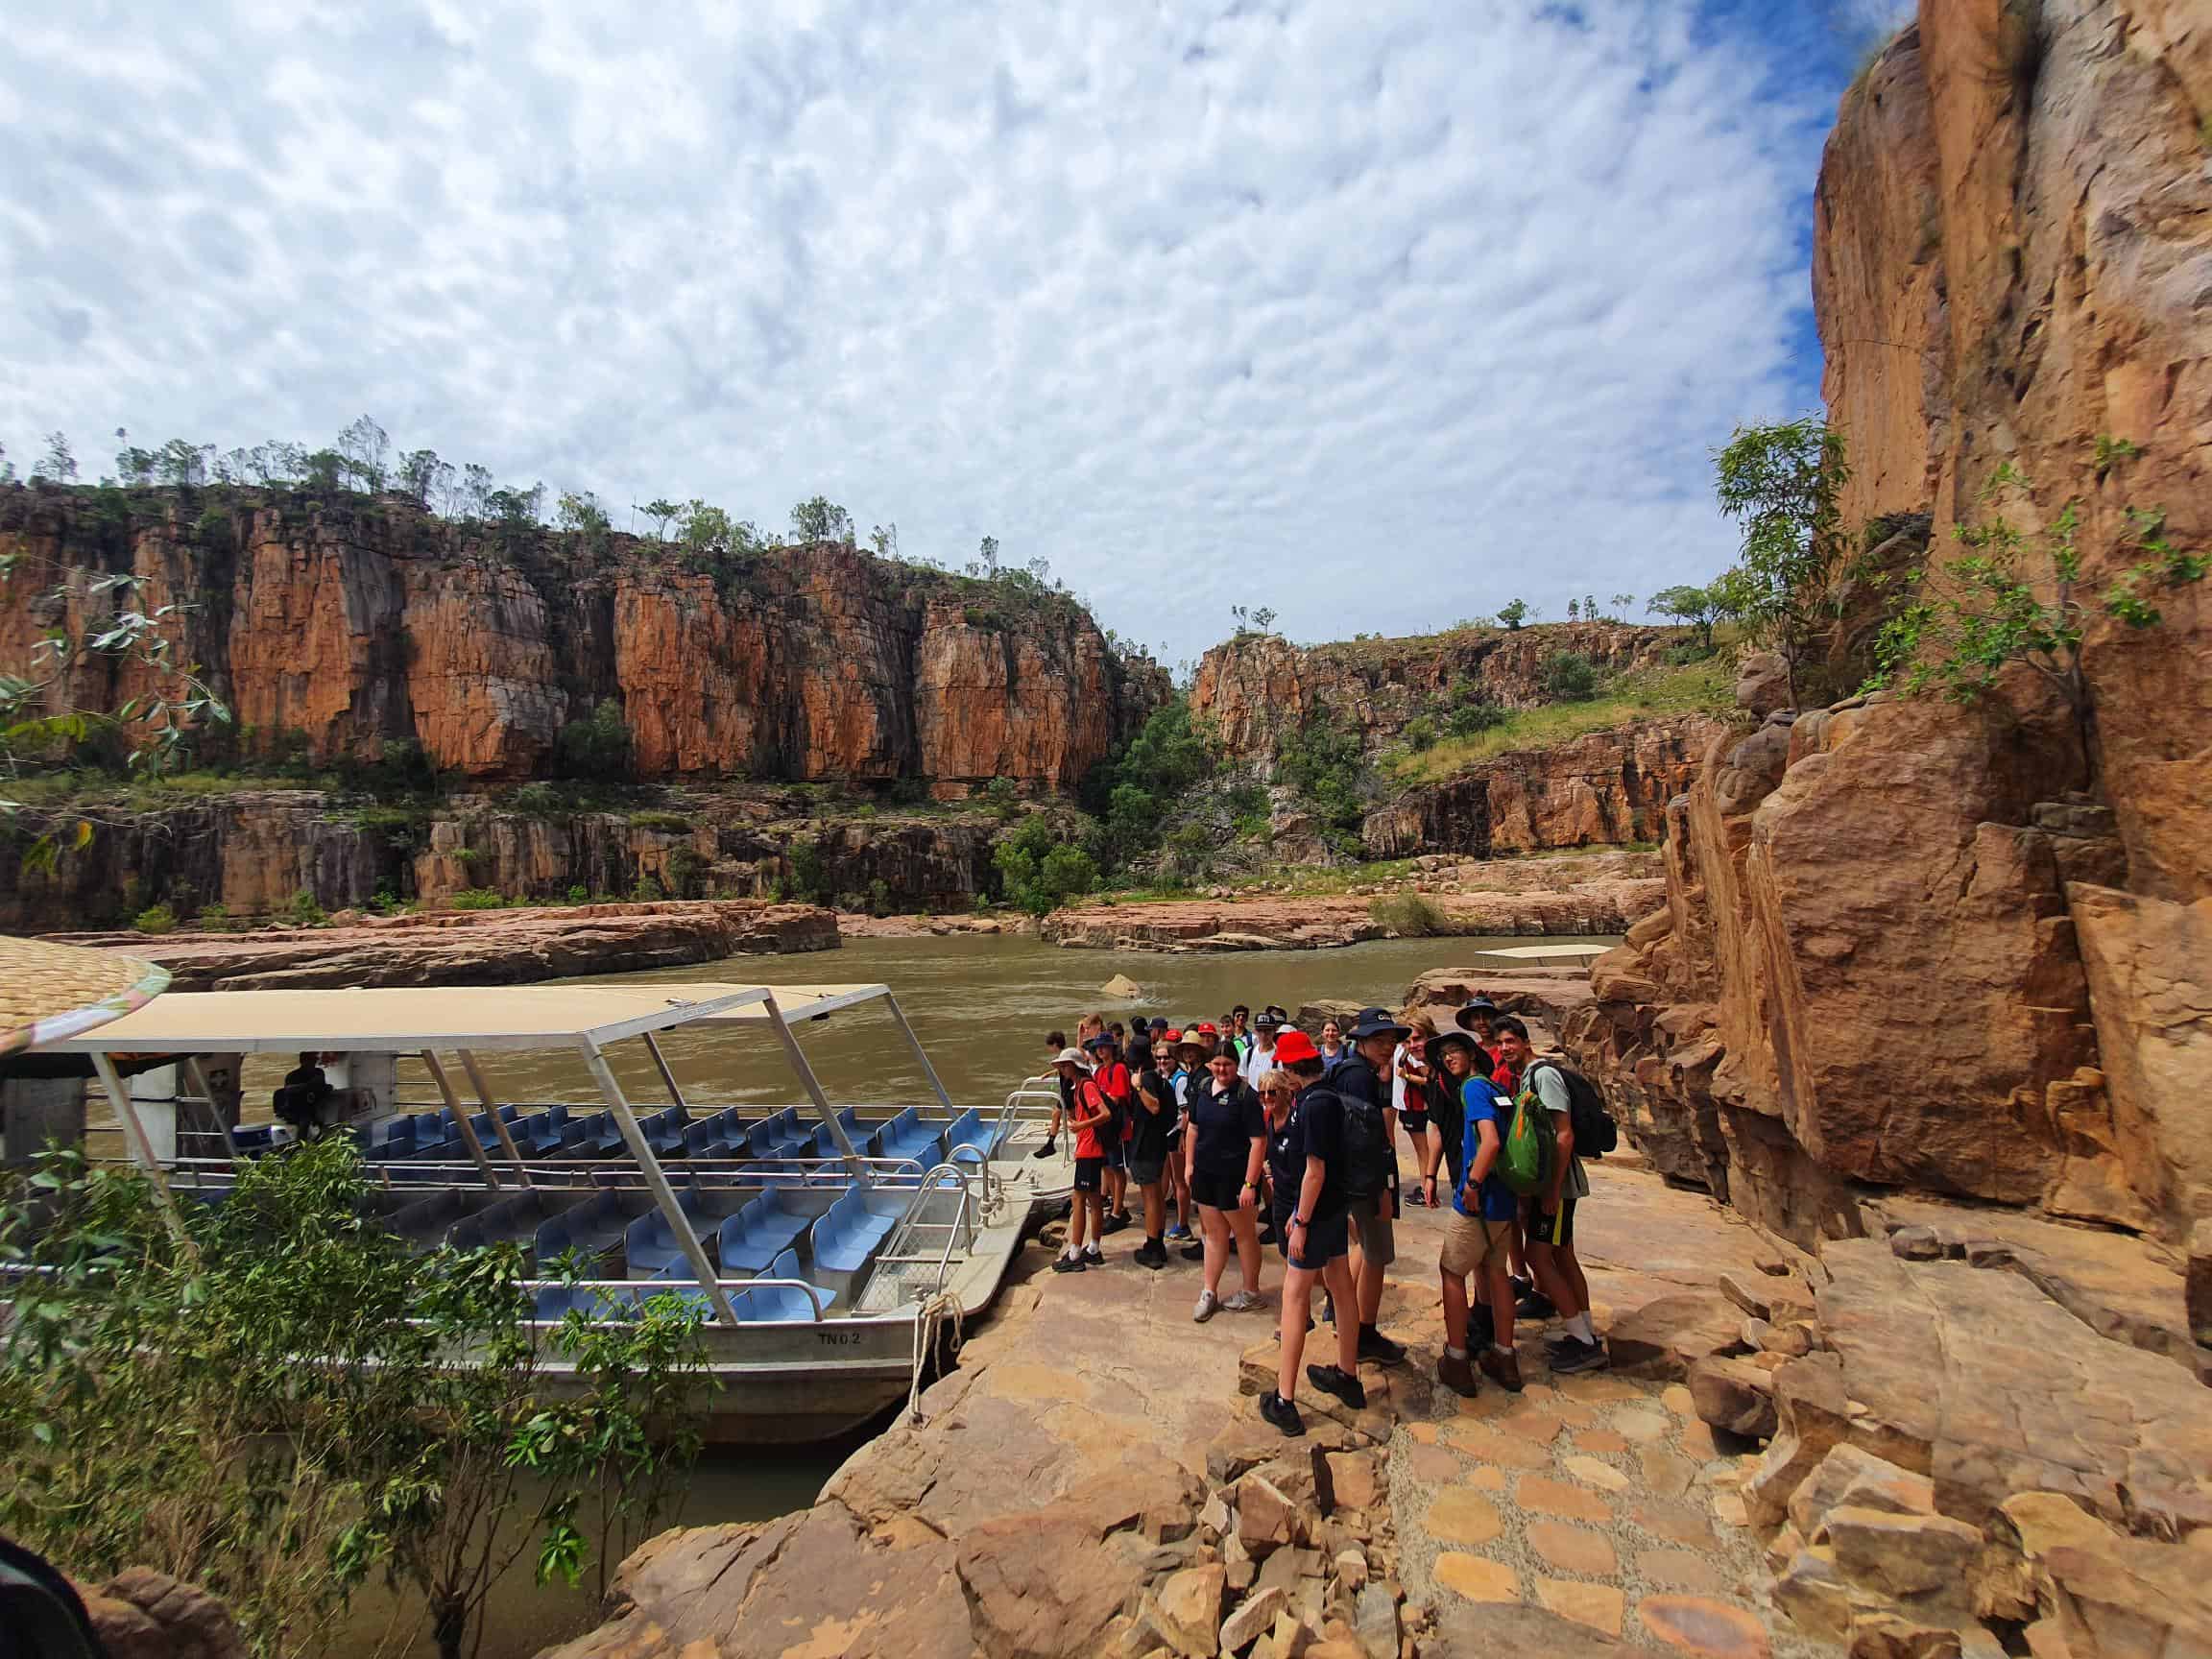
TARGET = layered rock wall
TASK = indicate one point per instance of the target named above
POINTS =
(254, 852)
(1603, 789)
(342, 624)
(1962, 949)
(1257, 688)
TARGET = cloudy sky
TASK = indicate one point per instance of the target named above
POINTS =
(1374, 312)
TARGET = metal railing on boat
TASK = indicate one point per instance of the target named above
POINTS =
(635, 1292)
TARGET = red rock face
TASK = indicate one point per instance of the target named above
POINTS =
(343, 625)
(1871, 968)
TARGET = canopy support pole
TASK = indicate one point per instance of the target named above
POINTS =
(667, 1077)
(920, 1053)
(657, 1182)
(813, 1087)
(142, 1149)
(467, 1129)
(196, 1074)
(491, 1111)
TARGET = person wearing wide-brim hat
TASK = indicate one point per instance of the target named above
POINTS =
(1359, 1076)
(1446, 1113)
(1477, 1018)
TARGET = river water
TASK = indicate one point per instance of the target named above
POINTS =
(981, 1006)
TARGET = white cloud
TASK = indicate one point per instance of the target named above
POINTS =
(1378, 313)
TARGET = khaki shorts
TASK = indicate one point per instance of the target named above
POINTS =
(1469, 1243)
(1371, 1229)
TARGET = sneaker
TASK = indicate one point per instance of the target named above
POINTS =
(1414, 1199)
(1503, 1369)
(1331, 1380)
(1282, 1413)
(1114, 1223)
(1208, 1305)
(1375, 1346)
(1194, 1252)
(1150, 1254)
(1536, 1304)
(1242, 1301)
(1571, 1355)
(1045, 1152)
(1178, 1233)
(1067, 1264)
(1459, 1376)
(1093, 1257)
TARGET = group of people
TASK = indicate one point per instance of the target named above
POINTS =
(1276, 1137)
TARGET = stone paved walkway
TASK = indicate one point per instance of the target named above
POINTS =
(1600, 1497)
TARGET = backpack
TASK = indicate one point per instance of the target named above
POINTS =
(1367, 1159)
(1528, 1149)
(1595, 1134)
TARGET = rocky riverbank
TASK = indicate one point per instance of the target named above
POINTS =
(480, 947)
(1600, 893)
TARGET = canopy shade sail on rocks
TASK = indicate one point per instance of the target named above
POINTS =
(50, 992)
(468, 1017)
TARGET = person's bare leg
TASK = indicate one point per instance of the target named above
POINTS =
(1217, 1226)
(1370, 1289)
(1454, 1309)
(1551, 1279)
(1246, 1225)
(1297, 1308)
(1337, 1277)
(1078, 1212)
(1570, 1266)
(1501, 1291)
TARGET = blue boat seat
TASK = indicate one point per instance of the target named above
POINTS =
(779, 1300)
(967, 1130)
(706, 1139)
(849, 1233)
(539, 1134)
(911, 1136)
(758, 1233)
(592, 1227)
(650, 1244)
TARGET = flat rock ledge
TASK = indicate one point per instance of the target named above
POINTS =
(1185, 926)
(480, 947)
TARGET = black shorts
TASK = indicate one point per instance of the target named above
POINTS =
(1416, 1122)
(1118, 1155)
(1556, 1229)
(1328, 1238)
(1217, 1192)
(1145, 1171)
(1090, 1174)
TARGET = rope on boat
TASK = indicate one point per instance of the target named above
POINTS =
(929, 1320)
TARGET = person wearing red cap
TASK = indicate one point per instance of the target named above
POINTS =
(1305, 1156)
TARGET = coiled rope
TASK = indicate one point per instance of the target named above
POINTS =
(929, 1320)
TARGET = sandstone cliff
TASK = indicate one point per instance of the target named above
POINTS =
(1962, 950)
(254, 851)
(343, 623)
(1255, 688)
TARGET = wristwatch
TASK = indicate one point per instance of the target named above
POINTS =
(1297, 1220)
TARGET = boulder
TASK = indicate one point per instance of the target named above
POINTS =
(1761, 682)
(1038, 1587)
(1254, 1615)
(1913, 1553)
(1267, 1518)
(2198, 1284)
(1187, 1611)
(1850, 1477)
(1810, 1590)
(141, 1614)
(1734, 1395)
(1122, 988)
(1665, 1337)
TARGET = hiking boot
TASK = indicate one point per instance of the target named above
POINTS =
(1045, 1152)
(1242, 1302)
(1282, 1413)
(1208, 1305)
(1503, 1369)
(1572, 1354)
(1194, 1252)
(1331, 1380)
(1459, 1376)
(1067, 1264)
(1150, 1254)
(1093, 1257)
(1375, 1346)
(1536, 1304)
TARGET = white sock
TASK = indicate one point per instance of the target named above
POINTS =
(1578, 1328)
(1455, 1353)
(1501, 1348)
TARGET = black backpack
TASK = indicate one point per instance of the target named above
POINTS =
(1367, 1159)
(1595, 1134)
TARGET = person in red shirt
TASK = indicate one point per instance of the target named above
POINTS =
(1086, 1208)
(1112, 1075)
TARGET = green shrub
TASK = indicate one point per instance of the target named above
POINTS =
(1002, 797)
(661, 822)
(1420, 732)
(539, 799)
(307, 910)
(879, 896)
(1409, 915)
(579, 894)
(212, 918)
(595, 748)
(1040, 870)
(809, 881)
(1569, 677)
(155, 919)
(477, 899)
(1323, 765)
(648, 890)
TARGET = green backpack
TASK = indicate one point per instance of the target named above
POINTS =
(1528, 1148)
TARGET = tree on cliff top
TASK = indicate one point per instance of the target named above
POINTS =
(1781, 483)
(1515, 611)
(1685, 604)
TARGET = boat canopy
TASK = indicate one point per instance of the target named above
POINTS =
(486, 1017)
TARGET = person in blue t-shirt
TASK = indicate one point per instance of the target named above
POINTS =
(1479, 1236)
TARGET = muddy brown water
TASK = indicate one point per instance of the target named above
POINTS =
(981, 1006)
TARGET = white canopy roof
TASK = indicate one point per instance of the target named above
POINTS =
(1532, 950)
(501, 1016)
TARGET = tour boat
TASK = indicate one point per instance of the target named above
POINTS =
(836, 1250)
